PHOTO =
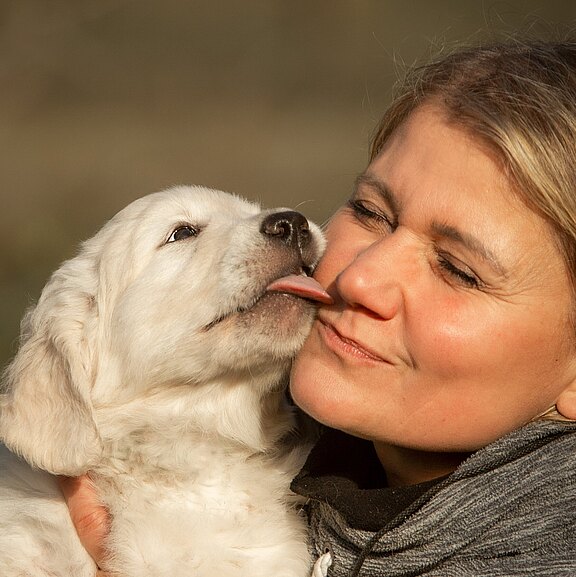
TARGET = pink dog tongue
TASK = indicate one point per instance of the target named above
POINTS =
(302, 286)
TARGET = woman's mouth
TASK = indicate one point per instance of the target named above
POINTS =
(343, 345)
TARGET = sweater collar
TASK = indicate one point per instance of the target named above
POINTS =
(344, 472)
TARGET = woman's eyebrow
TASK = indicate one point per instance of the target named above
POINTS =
(380, 187)
(471, 243)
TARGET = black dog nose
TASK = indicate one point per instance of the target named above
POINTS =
(289, 226)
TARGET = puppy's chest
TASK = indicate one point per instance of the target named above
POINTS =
(233, 510)
(208, 482)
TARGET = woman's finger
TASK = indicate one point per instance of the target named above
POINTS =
(90, 518)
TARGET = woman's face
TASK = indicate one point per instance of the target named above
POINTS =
(451, 318)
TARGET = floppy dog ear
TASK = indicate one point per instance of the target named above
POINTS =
(45, 407)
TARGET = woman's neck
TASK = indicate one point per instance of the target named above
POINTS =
(410, 467)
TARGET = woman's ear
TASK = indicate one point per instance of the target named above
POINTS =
(566, 402)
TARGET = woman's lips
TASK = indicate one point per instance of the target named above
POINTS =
(341, 344)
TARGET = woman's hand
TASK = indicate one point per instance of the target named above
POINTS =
(90, 518)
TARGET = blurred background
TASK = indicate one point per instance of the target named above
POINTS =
(103, 101)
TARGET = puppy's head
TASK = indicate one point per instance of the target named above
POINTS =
(179, 289)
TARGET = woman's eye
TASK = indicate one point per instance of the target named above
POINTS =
(462, 276)
(367, 212)
(182, 233)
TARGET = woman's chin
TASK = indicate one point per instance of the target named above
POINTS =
(317, 393)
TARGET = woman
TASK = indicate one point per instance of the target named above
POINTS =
(446, 367)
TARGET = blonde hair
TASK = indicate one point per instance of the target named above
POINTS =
(520, 99)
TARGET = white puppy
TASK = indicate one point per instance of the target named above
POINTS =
(156, 361)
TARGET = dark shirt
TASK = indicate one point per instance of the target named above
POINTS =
(345, 472)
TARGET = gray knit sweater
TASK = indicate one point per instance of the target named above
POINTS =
(508, 510)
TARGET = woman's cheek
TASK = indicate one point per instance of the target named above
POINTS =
(315, 380)
(439, 335)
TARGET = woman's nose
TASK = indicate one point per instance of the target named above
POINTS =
(374, 278)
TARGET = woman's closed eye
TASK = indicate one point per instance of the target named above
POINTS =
(369, 214)
(460, 273)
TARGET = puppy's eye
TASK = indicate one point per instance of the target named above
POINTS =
(182, 233)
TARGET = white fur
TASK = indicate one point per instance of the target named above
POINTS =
(158, 368)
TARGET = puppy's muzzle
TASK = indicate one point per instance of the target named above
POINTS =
(289, 227)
